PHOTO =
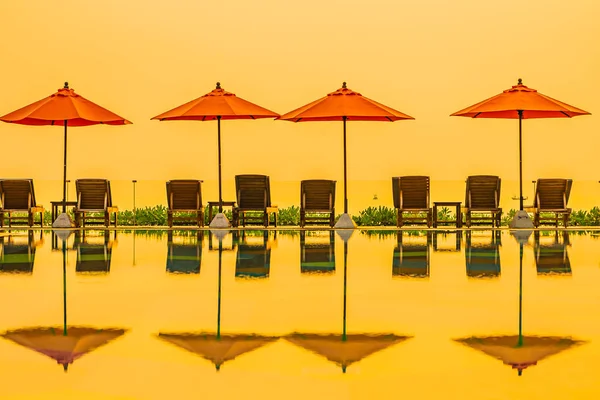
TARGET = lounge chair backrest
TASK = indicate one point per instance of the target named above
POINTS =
(552, 193)
(93, 194)
(253, 191)
(483, 191)
(184, 194)
(410, 192)
(317, 194)
(17, 194)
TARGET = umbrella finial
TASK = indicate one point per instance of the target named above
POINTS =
(66, 367)
(66, 85)
(218, 85)
(520, 371)
(344, 85)
(343, 368)
(520, 81)
(218, 367)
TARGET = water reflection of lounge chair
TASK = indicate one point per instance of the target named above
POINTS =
(317, 256)
(185, 255)
(553, 257)
(17, 254)
(93, 253)
(483, 257)
(411, 258)
(253, 255)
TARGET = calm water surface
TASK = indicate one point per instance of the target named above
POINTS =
(295, 315)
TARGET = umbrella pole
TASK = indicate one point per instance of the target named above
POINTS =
(345, 181)
(344, 338)
(219, 292)
(64, 254)
(520, 343)
(219, 146)
(64, 205)
(520, 162)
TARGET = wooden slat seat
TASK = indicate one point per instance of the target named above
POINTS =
(412, 259)
(18, 196)
(94, 196)
(253, 195)
(411, 195)
(184, 196)
(552, 196)
(317, 198)
(483, 258)
(482, 200)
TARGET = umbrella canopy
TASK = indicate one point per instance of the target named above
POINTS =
(217, 349)
(51, 341)
(65, 108)
(530, 103)
(520, 102)
(508, 350)
(344, 105)
(344, 352)
(217, 105)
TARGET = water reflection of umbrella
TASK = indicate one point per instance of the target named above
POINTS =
(520, 102)
(520, 351)
(217, 105)
(214, 346)
(63, 344)
(344, 349)
(64, 108)
(344, 105)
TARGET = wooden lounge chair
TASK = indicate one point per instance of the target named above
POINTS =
(412, 258)
(317, 256)
(186, 257)
(482, 200)
(317, 199)
(552, 197)
(483, 257)
(16, 255)
(94, 253)
(253, 195)
(185, 196)
(552, 258)
(18, 196)
(411, 196)
(93, 198)
(253, 258)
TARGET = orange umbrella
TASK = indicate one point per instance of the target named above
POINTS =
(67, 108)
(217, 105)
(344, 105)
(520, 102)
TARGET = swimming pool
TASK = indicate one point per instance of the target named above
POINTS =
(295, 314)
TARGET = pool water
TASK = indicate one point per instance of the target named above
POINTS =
(290, 314)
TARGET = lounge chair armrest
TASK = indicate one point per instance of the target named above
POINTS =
(112, 209)
(37, 209)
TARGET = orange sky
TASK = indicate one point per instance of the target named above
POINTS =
(427, 59)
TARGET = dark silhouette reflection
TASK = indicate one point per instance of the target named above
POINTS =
(17, 252)
(482, 253)
(253, 254)
(344, 349)
(444, 234)
(184, 255)
(412, 254)
(94, 252)
(551, 255)
(214, 346)
(520, 351)
(317, 252)
(64, 344)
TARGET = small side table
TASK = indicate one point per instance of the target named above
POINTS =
(456, 204)
(212, 204)
(55, 206)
